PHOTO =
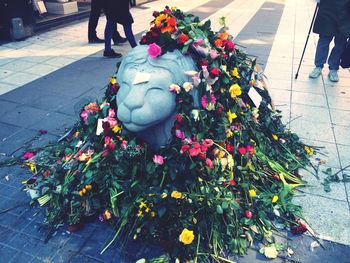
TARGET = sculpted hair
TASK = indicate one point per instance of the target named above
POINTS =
(174, 62)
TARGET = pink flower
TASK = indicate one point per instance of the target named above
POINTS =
(158, 159)
(209, 163)
(207, 142)
(180, 134)
(242, 150)
(28, 155)
(154, 50)
(174, 88)
(214, 54)
(84, 115)
(250, 149)
(184, 148)
(204, 101)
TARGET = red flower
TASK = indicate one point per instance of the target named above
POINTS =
(171, 22)
(184, 148)
(182, 38)
(203, 63)
(250, 149)
(207, 142)
(230, 148)
(179, 119)
(229, 46)
(300, 229)
(242, 150)
(209, 163)
(214, 72)
(232, 182)
(248, 214)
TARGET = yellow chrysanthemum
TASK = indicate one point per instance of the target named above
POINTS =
(176, 195)
(158, 21)
(231, 116)
(275, 137)
(186, 236)
(235, 90)
(309, 150)
(234, 73)
(274, 198)
(252, 193)
(116, 128)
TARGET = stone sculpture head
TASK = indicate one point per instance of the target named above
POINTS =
(145, 104)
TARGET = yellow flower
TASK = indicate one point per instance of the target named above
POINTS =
(147, 209)
(186, 236)
(309, 150)
(142, 205)
(153, 214)
(229, 134)
(270, 252)
(176, 195)
(116, 128)
(235, 73)
(164, 195)
(275, 137)
(252, 193)
(32, 167)
(231, 116)
(158, 21)
(139, 214)
(235, 90)
(222, 90)
(274, 198)
(113, 80)
(173, 8)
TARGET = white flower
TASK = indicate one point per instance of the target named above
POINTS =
(195, 115)
(188, 86)
(174, 88)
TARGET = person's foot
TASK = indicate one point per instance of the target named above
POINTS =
(119, 40)
(333, 75)
(315, 73)
(111, 54)
(95, 40)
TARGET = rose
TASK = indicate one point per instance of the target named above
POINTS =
(182, 38)
(229, 46)
(213, 54)
(154, 50)
(214, 72)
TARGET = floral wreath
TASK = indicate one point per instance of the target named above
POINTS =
(225, 178)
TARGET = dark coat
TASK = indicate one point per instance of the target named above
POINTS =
(333, 18)
(118, 10)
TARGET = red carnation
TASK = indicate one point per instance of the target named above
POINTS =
(182, 38)
(171, 22)
(229, 46)
(214, 72)
(230, 148)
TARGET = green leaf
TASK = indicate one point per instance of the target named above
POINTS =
(224, 205)
(219, 210)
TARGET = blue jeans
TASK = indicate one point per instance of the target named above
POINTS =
(322, 51)
(111, 27)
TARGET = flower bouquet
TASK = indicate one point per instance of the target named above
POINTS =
(225, 177)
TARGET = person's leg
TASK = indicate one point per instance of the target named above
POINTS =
(130, 35)
(109, 52)
(96, 7)
(321, 55)
(337, 51)
(117, 38)
(334, 58)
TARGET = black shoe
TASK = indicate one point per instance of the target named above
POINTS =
(96, 40)
(111, 54)
(120, 40)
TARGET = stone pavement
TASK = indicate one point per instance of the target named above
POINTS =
(45, 79)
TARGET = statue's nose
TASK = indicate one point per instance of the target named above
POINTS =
(135, 99)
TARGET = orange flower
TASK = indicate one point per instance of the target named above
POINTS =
(160, 19)
(218, 43)
(169, 29)
(223, 36)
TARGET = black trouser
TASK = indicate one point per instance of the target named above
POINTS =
(96, 8)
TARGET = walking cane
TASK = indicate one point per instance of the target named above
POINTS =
(307, 39)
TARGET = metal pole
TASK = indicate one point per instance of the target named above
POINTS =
(307, 39)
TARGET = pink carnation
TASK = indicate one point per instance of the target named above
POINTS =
(158, 159)
(154, 50)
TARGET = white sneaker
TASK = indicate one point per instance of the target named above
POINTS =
(333, 75)
(315, 73)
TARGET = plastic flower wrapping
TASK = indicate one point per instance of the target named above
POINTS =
(224, 179)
